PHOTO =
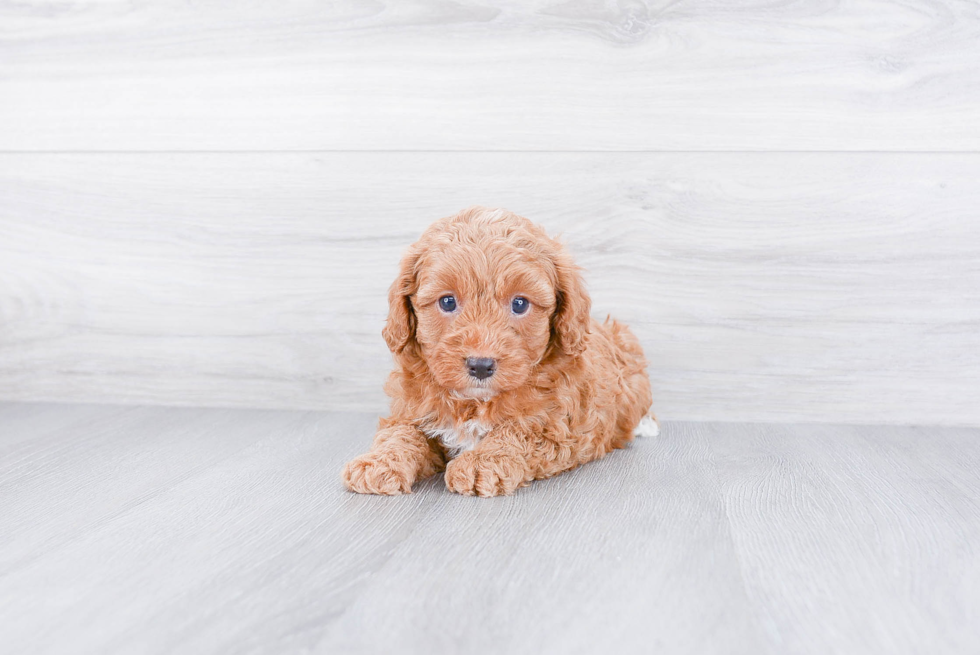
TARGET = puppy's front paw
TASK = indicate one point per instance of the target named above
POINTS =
(375, 473)
(478, 474)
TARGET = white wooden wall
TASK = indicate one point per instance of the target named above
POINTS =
(205, 204)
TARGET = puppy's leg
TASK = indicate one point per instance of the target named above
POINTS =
(399, 456)
(505, 460)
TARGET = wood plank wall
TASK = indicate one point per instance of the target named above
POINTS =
(205, 204)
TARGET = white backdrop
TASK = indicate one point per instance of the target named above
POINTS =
(206, 206)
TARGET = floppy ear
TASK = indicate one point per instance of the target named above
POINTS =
(571, 320)
(399, 329)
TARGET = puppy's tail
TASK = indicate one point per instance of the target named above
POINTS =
(648, 427)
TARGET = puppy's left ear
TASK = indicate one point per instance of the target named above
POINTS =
(571, 320)
(399, 329)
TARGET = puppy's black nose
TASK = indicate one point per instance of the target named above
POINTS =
(481, 367)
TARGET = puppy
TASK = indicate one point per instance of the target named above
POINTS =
(502, 377)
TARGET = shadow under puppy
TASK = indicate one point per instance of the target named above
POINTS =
(502, 376)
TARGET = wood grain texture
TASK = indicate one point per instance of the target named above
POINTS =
(160, 530)
(823, 513)
(512, 75)
(647, 560)
(790, 287)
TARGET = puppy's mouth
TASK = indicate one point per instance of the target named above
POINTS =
(474, 392)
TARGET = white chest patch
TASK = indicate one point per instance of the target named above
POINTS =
(458, 439)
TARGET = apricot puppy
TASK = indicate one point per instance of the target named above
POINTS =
(502, 376)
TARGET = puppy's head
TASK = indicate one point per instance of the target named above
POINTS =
(482, 298)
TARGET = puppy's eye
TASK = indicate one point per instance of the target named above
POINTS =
(519, 305)
(447, 304)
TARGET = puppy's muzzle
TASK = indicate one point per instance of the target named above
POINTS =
(481, 367)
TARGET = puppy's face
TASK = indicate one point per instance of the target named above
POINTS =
(481, 299)
(484, 316)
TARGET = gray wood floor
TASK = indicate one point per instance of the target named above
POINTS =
(158, 530)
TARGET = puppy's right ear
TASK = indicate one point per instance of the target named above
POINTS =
(399, 329)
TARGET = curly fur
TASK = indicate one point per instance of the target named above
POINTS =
(567, 389)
